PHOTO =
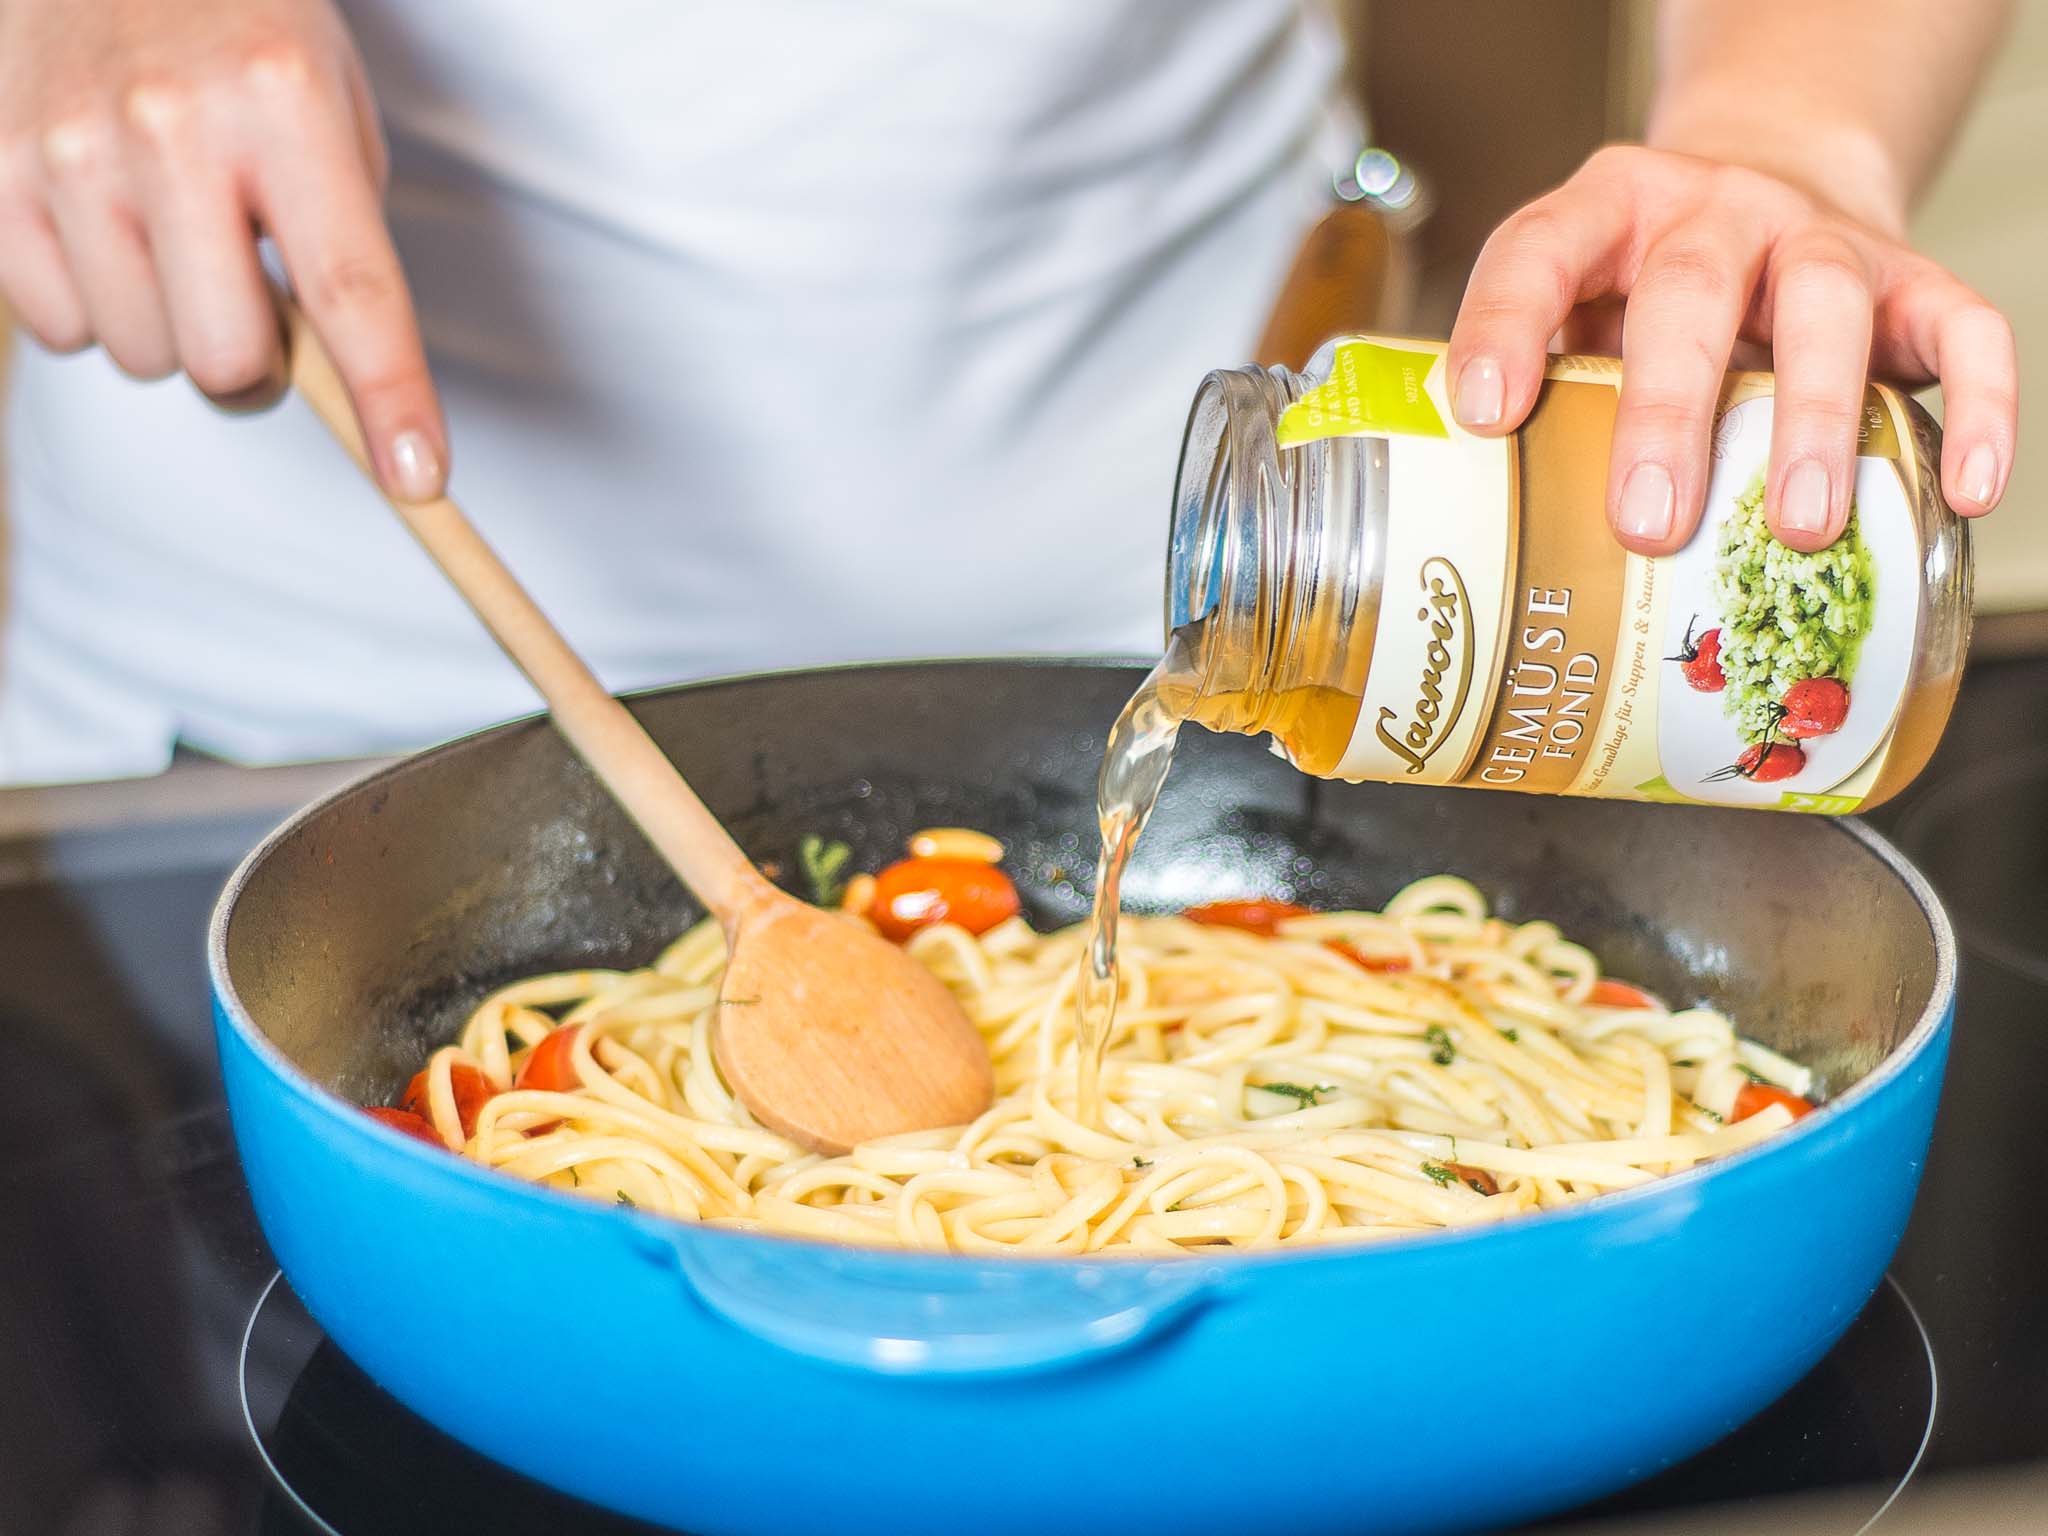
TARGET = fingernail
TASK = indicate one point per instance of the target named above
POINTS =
(1482, 397)
(1979, 479)
(415, 467)
(1803, 498)
(1647, 504)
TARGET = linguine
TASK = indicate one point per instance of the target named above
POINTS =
(1352, 1075)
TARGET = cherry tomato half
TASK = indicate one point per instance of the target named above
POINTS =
(1358, 957)
(1609, 993)
(1761, 1096)
(1476, 1179)
(472, 1091)
(549, 1066)
(1260, 917)
(408, 1122)
(916, 893)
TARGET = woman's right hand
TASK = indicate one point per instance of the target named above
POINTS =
(145, 145)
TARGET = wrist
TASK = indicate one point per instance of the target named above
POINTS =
(1843, 163)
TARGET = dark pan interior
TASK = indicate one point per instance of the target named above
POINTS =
(378, 918)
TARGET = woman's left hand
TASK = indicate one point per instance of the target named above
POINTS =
(1690, 255)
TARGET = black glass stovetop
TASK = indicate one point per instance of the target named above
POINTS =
(157, 1377)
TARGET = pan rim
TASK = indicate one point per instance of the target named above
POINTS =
(1933, 1020)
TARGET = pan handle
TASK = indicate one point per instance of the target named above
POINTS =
(928, 1315)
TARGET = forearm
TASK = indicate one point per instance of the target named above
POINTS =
(1853, 100)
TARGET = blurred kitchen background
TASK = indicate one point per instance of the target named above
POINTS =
(1569, 74)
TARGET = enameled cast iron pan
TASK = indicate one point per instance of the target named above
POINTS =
(724, 1382)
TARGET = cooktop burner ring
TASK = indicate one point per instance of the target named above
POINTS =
(278, 1480)
(1890, 1319)
(1933, 1406)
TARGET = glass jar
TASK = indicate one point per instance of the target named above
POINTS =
(1391, 597)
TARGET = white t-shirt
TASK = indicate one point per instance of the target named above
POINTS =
(770, 334)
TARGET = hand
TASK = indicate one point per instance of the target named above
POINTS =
(144, 145)
(1689, 255)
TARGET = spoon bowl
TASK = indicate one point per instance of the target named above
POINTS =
(829, 1033)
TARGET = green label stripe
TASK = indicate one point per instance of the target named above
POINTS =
(1371, 389)
(1820, 805)
(1660, 789)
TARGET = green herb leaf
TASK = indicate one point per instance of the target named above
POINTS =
(1443, 1176)
(1175, 1206)
(1306, 1097)
(824, 867)
(575, 1179)
(1710, 1114)
(1139, 1162)
(1442, 1051)
(620, 1197)
(1751, 1073)
(1512, 1036)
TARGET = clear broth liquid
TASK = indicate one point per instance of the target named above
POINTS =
(1312, 723)
(1134, 768)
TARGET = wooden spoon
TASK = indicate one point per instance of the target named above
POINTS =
(829, 1034)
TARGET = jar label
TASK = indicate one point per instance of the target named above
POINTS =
(1519, 646)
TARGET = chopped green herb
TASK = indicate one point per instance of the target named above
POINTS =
(1139, 1162)
(620, 1197)
(1443, 1176)
(824, 867)
(575, 1179)
(738, 1002)
(1442, 1052)
(1710, 1114)
(1306, 1097)
(1512, 1036)
(1684, 1062)
(1175, 1206)
(1751, 1073)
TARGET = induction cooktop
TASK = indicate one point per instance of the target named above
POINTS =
(161, 1376)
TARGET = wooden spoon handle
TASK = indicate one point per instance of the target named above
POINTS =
(600, 728)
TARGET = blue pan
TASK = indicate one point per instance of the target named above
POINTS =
(729, 1383)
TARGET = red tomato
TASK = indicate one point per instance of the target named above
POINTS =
(408, 1122)
(1758, 1096)
(1609, 993)
(1260, 917)
(1701, 664)
(472, 1091)
(1360, 958)
(549, 1066)
(1766, 762)
(916, 893)
(1814, 707)
(1473, 1178)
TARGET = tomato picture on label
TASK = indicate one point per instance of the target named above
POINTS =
(1699, 661)
(1815, 706)
(1782, 670)
(1764, 762)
